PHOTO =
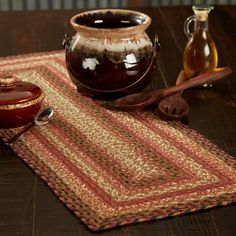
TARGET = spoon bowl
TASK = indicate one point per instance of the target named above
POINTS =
(174, 107)
(131, 102)
(41, 118)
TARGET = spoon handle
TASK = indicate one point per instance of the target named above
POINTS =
(196, 81)
(20, 134)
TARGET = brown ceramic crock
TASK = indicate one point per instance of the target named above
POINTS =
(110, 55)
(19, 102)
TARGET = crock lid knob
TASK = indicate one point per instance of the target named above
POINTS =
(7, 80)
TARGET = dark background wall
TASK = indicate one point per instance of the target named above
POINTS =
(70, 4)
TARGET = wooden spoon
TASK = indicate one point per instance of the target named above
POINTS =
(174, 107)
(139, 101)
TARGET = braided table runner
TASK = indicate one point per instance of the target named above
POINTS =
(114, 168)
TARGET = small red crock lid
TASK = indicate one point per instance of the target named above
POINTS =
(15, 92)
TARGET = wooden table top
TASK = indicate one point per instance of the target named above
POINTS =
(28, 206)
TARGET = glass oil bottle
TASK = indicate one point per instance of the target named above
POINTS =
(200, 53)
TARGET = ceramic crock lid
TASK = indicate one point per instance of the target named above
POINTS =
(15, 92)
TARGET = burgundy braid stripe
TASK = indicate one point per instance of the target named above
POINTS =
(116, 168)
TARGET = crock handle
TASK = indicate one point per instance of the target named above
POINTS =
(156, 47)
(156, 43)
(66, 41)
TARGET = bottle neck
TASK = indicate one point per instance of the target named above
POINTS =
(203, 25)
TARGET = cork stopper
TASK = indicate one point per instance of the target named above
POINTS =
(201, 12)
(7, 80)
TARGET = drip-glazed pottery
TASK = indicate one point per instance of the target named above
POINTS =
(19, 102)
(110, 55)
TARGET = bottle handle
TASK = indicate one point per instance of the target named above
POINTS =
(187, 23)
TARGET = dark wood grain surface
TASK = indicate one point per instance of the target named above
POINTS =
(27, 205)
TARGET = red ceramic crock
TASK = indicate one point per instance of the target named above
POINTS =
(19, 102)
